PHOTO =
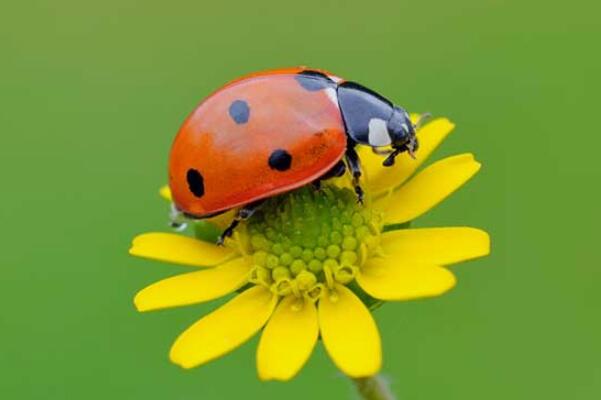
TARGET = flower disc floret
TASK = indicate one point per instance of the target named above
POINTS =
(306, 239)
(317, 262)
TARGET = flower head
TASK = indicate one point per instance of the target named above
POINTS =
(311, 263)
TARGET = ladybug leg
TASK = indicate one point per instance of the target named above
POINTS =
(352, 159)
(335, 172)
(410, 147)
(228, 231)
(243, 214)
(177, 219)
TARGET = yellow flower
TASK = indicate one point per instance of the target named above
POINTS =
(311, 263)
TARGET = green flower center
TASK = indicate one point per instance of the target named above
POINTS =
(306, 240)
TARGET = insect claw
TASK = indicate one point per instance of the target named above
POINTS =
(359, 193)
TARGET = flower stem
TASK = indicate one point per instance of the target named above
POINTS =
(373, 388)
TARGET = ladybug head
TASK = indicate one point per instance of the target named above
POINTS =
(402, 135)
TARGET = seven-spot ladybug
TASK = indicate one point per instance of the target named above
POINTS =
(274, 131)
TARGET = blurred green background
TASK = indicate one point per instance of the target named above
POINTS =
(92, 93)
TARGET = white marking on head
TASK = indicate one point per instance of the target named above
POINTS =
(378, 133)
(331, 92)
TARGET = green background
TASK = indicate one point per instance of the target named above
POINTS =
(92, 93)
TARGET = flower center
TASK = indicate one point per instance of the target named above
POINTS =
(306, 240)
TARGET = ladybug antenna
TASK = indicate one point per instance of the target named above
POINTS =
(422, 120)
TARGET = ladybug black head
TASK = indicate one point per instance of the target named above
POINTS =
(400, 128)
(402, 134)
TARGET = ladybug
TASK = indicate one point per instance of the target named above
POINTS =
(274, 131)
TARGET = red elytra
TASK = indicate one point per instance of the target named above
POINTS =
(224, 147)
(271, 132)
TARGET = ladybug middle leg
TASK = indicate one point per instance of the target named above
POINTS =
(352, 159)
(243, 214)
(335, 172)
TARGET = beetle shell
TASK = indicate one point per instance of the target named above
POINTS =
(258, 136)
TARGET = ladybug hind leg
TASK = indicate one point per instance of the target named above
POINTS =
(352, 159)
(242, 215)
(177, 219)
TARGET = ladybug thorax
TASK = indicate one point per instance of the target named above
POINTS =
(371, 119)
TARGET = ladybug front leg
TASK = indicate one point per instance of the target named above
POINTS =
(243, 214)
(352, 159)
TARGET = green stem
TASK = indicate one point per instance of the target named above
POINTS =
(373, 388)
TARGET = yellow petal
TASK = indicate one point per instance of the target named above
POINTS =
(345, 181)
(288, 339)
(224, 329)
(435, 246)
(349, 333)
(194, 287)
(179, 249)
(382, 178)
(387, 279)
(165, 193)
(429, 187)
(222, 220)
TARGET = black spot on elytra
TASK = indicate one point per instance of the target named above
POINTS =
(239, 111)
(314, 80)
(280, 160)
(195, 182)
